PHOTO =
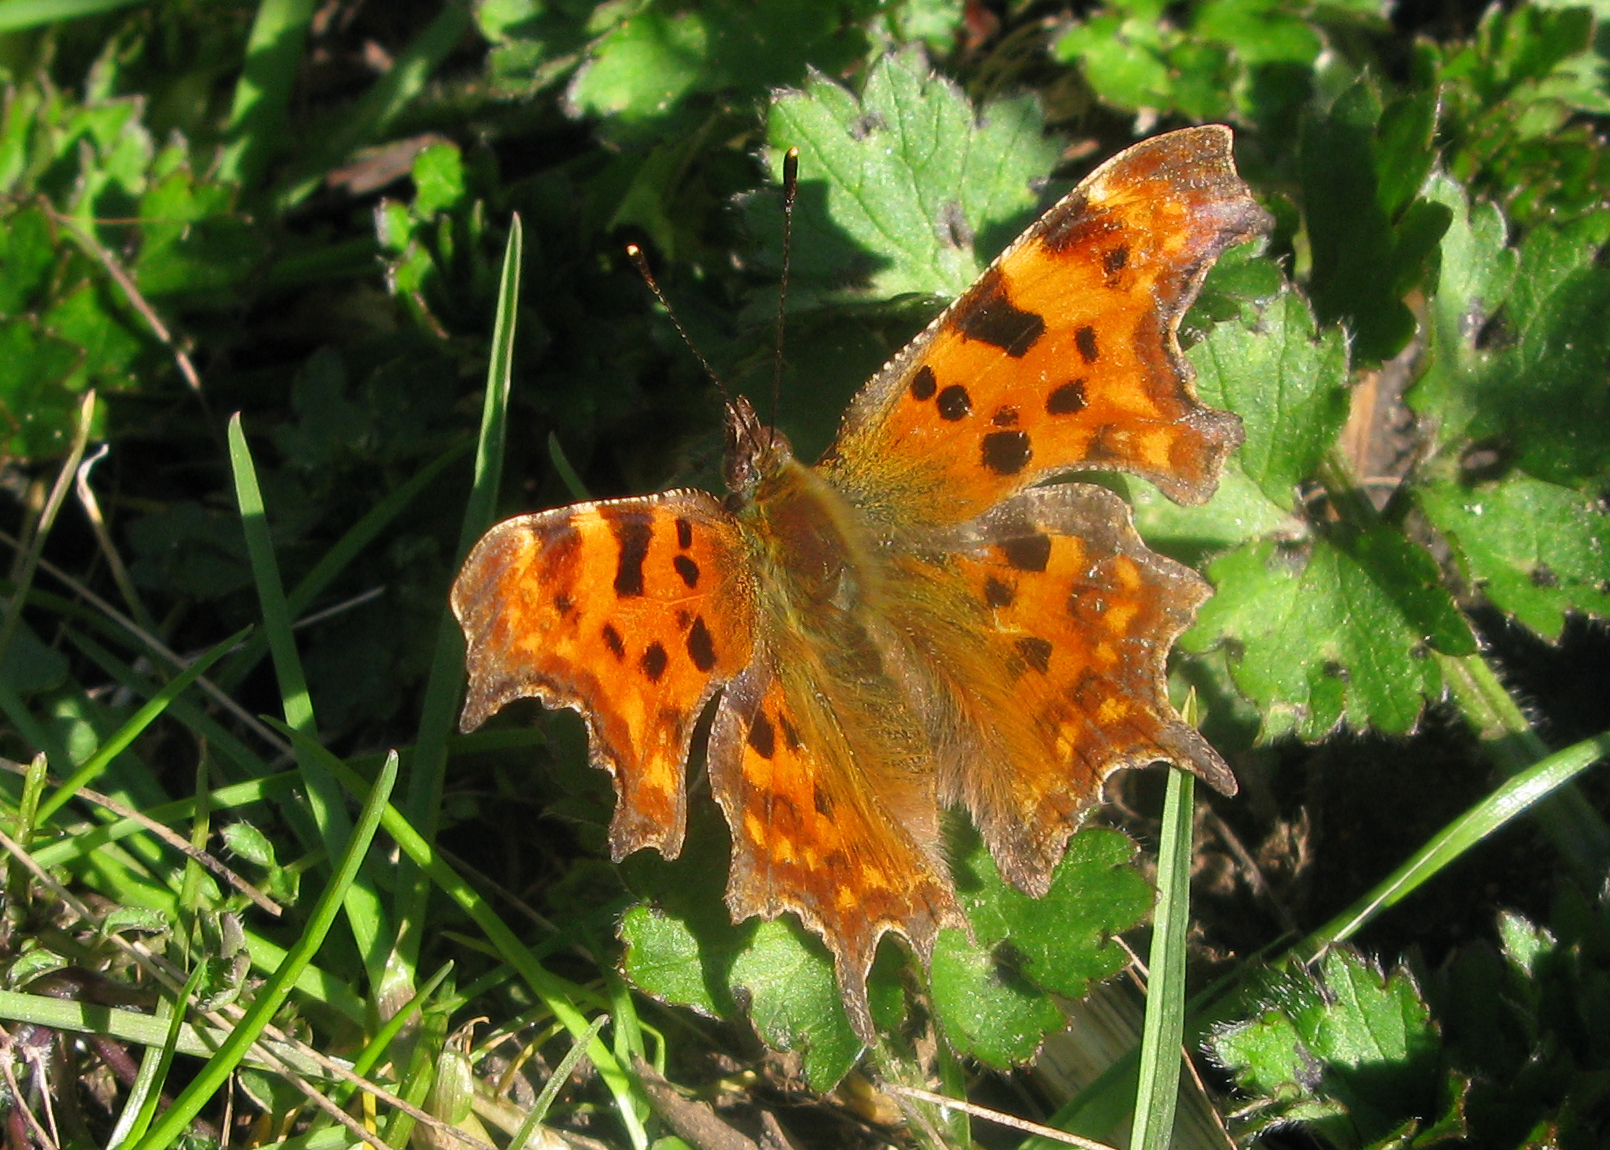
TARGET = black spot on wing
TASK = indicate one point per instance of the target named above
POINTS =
(684, 534)
(562, 604)
(633, 529)
(954, 403)
(762, 736)
(998, 593)
(612, 640)
(923, 384)
(1036, 652)
(1027, 552)
(654, 662)
(1004, 417)
(701, 647)
(988, 315)
(1005, 452)
(1085, 340)
(1113, 261)
(824, 805)
(1067, 399)
(688, 569)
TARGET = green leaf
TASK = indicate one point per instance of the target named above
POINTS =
(1334, 630)
(1350, 1052)
(682, 947)
(1260, 31)
(645, 66)
(1477, 272)
(1548, 388)
(1288, 385)
(787, 979)
(1369, 247)
(936, 23)
(1536, 550)
(438, 174)
(195, 245)
(26, 255)
(1535, 384)
(251, 844)
(989, 1011)
(992, 994)
(1123, 59)
(905, 188)
(37, 412)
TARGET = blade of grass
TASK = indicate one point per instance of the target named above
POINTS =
(428, 763)
(556, 1080)
(336, 559)
(418, 1074)
(273, 993)
(263, 92)
(105, 617)
(143, 718)
(1164, 1029)
(1568, 818)
(366, 916)
(376, 1047)
(1516, 795)
(39, 737)
(567, 473)
(19, 14)
(130, 1026)
(220, 741)
(141, 1104)
(559, 995)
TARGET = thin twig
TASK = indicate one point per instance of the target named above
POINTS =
(131, 293)
(17, 1094)
(334, 609)
(32, 560)
(160, 649)
(996, 1116)
(97, 523)
(167, 835)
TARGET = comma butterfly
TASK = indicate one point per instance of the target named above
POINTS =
(911, 623)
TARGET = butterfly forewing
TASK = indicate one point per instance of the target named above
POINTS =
(633, 612)
(1064, 354)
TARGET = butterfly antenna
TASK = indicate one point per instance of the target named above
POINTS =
(640, 261)
(790, 190)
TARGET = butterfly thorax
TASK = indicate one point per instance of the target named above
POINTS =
(813, 555)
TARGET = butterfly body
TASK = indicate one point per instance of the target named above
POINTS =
(911, 624)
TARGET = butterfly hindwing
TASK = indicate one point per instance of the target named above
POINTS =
(631, 611)
(825, 825)
(1064, 353)
(1047, 625)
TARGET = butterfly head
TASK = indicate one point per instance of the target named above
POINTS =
(754, 450)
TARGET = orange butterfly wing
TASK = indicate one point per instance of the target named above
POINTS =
(833, 813)
(1058, 621)
(1064, 354)
(633, 612)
